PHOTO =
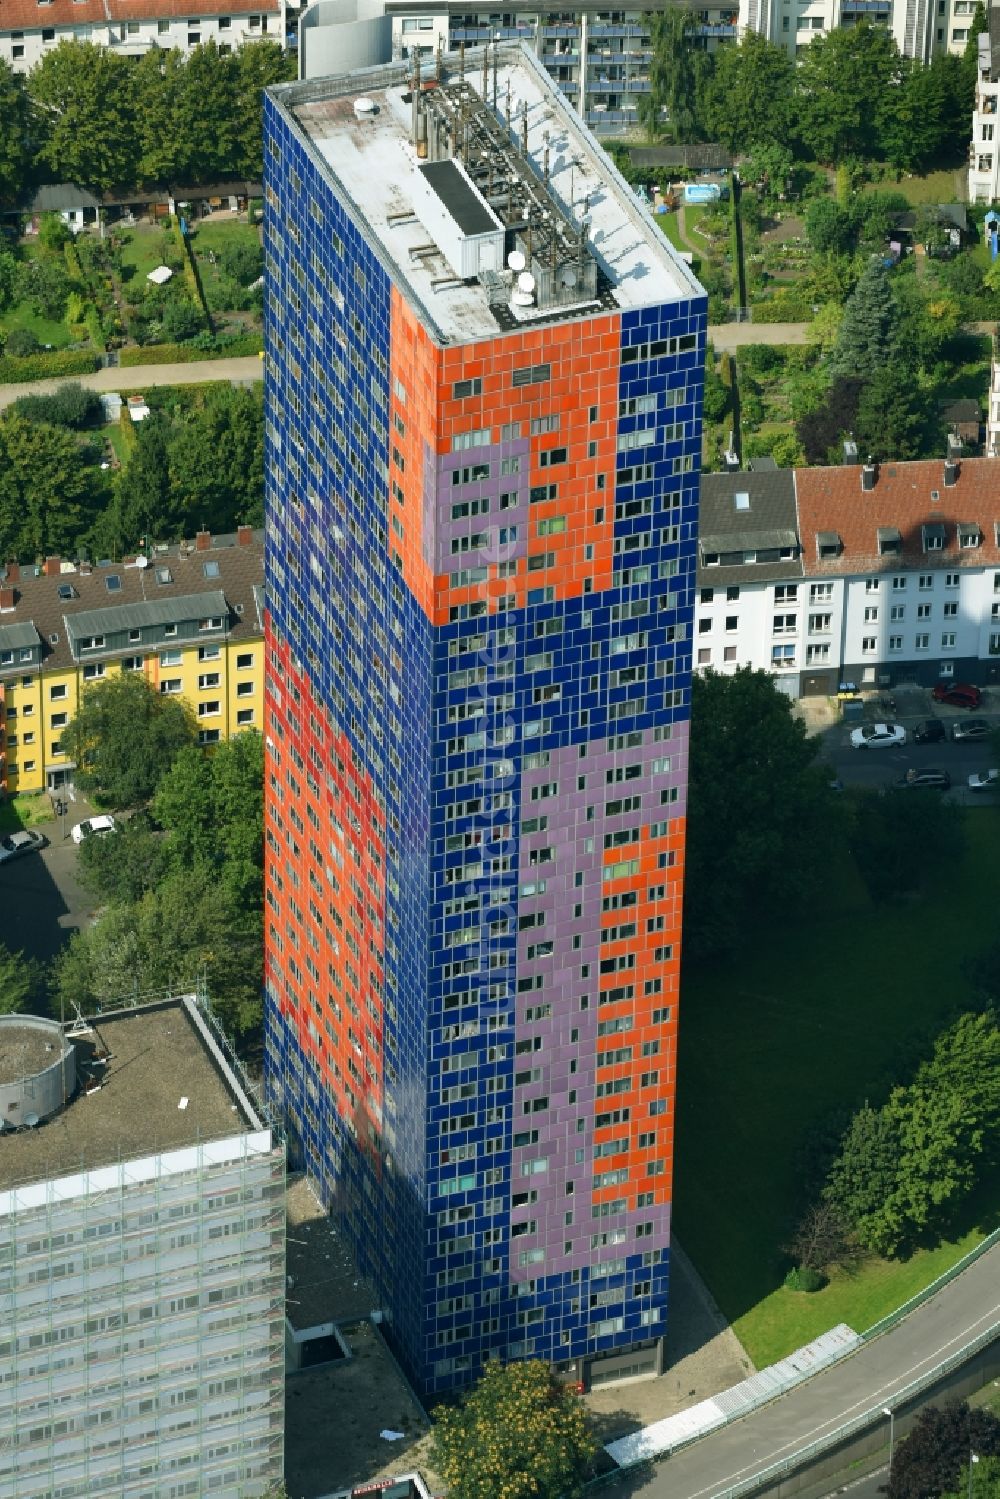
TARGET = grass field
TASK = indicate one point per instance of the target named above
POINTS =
(24, 812)
(820, 1016)
(142, 249)
(945, 186)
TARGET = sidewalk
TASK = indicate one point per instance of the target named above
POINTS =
(144, 375)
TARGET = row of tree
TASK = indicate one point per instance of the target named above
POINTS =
(107, 122)
(850, 94)
(194, 462)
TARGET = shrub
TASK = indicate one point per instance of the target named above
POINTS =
(801, 1279)
(53, 234)
(21, 341)
(95, 328)
(181, 321)
(45, 366)
(243, 262)
(69, 406)
(203, 347)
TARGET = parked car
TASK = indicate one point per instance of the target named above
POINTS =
(971, 728)
(929, 731)
(957, 694)
(13, 845)
(935, 780)
(984, 780)
(878, 736)
(94, 827)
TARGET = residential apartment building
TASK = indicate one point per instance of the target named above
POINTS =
(189, 618)
(30, 28)
(984, 149)
(874, 574)
(483, 394)
(920, 28)
(142, 1262)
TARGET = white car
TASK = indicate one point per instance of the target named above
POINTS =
(984, 780)
(93, 825)
(878, 736)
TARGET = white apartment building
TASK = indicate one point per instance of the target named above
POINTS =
(984, 148)
(30, 28)
(921, 27)
(141, 1263)
(871, 574)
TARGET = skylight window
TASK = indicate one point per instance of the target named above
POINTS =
(210, 569)
(113, 583)
(164, 575)
(741, 500)
(66, 591)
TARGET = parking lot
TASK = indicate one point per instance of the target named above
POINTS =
(884, 766)
(41, 900)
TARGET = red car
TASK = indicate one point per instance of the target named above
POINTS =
(958, 694)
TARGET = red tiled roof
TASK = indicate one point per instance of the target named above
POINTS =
(908, 497)
(28, 15)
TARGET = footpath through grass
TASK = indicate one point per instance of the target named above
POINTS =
(817, 1017)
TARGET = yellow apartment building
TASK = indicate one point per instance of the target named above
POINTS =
(189, 617)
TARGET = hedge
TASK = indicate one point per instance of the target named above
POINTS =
(47, 366)
(240, 347)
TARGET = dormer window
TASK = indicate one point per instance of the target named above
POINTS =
(890, 541)
(933, 536)
(828, 545)
(969, 536)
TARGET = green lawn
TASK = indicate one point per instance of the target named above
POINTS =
(45, 329)
(945, 186)
(216, 237)
(820, 1016)
(24, 812)
(142, 250)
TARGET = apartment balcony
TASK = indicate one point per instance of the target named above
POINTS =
(987, 104)
(623, 30)
(560, 31)
(618, 85)
(560, 59)
(865, 7)
(719, 31)
(487, 33)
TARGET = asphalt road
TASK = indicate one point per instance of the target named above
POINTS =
(881, 767)
(41, 900)
(870, 1379)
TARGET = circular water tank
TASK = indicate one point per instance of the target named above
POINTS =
(364, 106)
(516, 261)
(37, 1069)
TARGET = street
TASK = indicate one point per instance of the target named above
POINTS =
(41, 899)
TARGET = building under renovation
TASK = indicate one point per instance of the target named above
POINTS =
(141, 1262)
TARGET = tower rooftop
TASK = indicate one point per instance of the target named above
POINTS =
(491, 203)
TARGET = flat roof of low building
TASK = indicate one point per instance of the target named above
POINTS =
(165, 1085)
(372, 161)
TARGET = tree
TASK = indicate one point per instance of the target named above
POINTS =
(750, 854)
(929, 1461)
(869, 330)
(142, 500)
(822, 430)
(125, 737)
(19, 981)
(83, 99)
(984, 1479)
(896, 837)
(678, 76)
(828, 226)
(749, 100)
(864, 1173)
(258, 66)
(212, 807)
(769, 169)
(217, 463)
(839, 81)
(820, 1239)
(163, 131)
(47, 494)
(516, 1434)
(14, 135)
(896, 416)
(124, 867)
(190, 925)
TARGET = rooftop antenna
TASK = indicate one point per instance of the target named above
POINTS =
(524, 128)
(496, 52)
(545, 156)
(461, 63)
(438, 61)
(508, 103)
(486, 72)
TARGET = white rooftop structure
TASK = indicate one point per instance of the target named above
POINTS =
(485, 151)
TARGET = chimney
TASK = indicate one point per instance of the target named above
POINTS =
(954, 445)
(52, 567)
(951, 472)
(869, 474)
(244, 535)
(13, 573)
(8, 597)
(202, 541)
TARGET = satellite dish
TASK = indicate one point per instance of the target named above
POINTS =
(522, 299)
(141, 561)
(31, 1120)
(515, 260)
(568, 276)
(526, 282)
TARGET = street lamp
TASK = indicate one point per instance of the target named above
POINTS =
(973, 1458)
(886, 1411)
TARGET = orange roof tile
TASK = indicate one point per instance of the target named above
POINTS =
(29, 15)
(906, 497)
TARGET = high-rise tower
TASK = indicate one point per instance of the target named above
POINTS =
(484, 387)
